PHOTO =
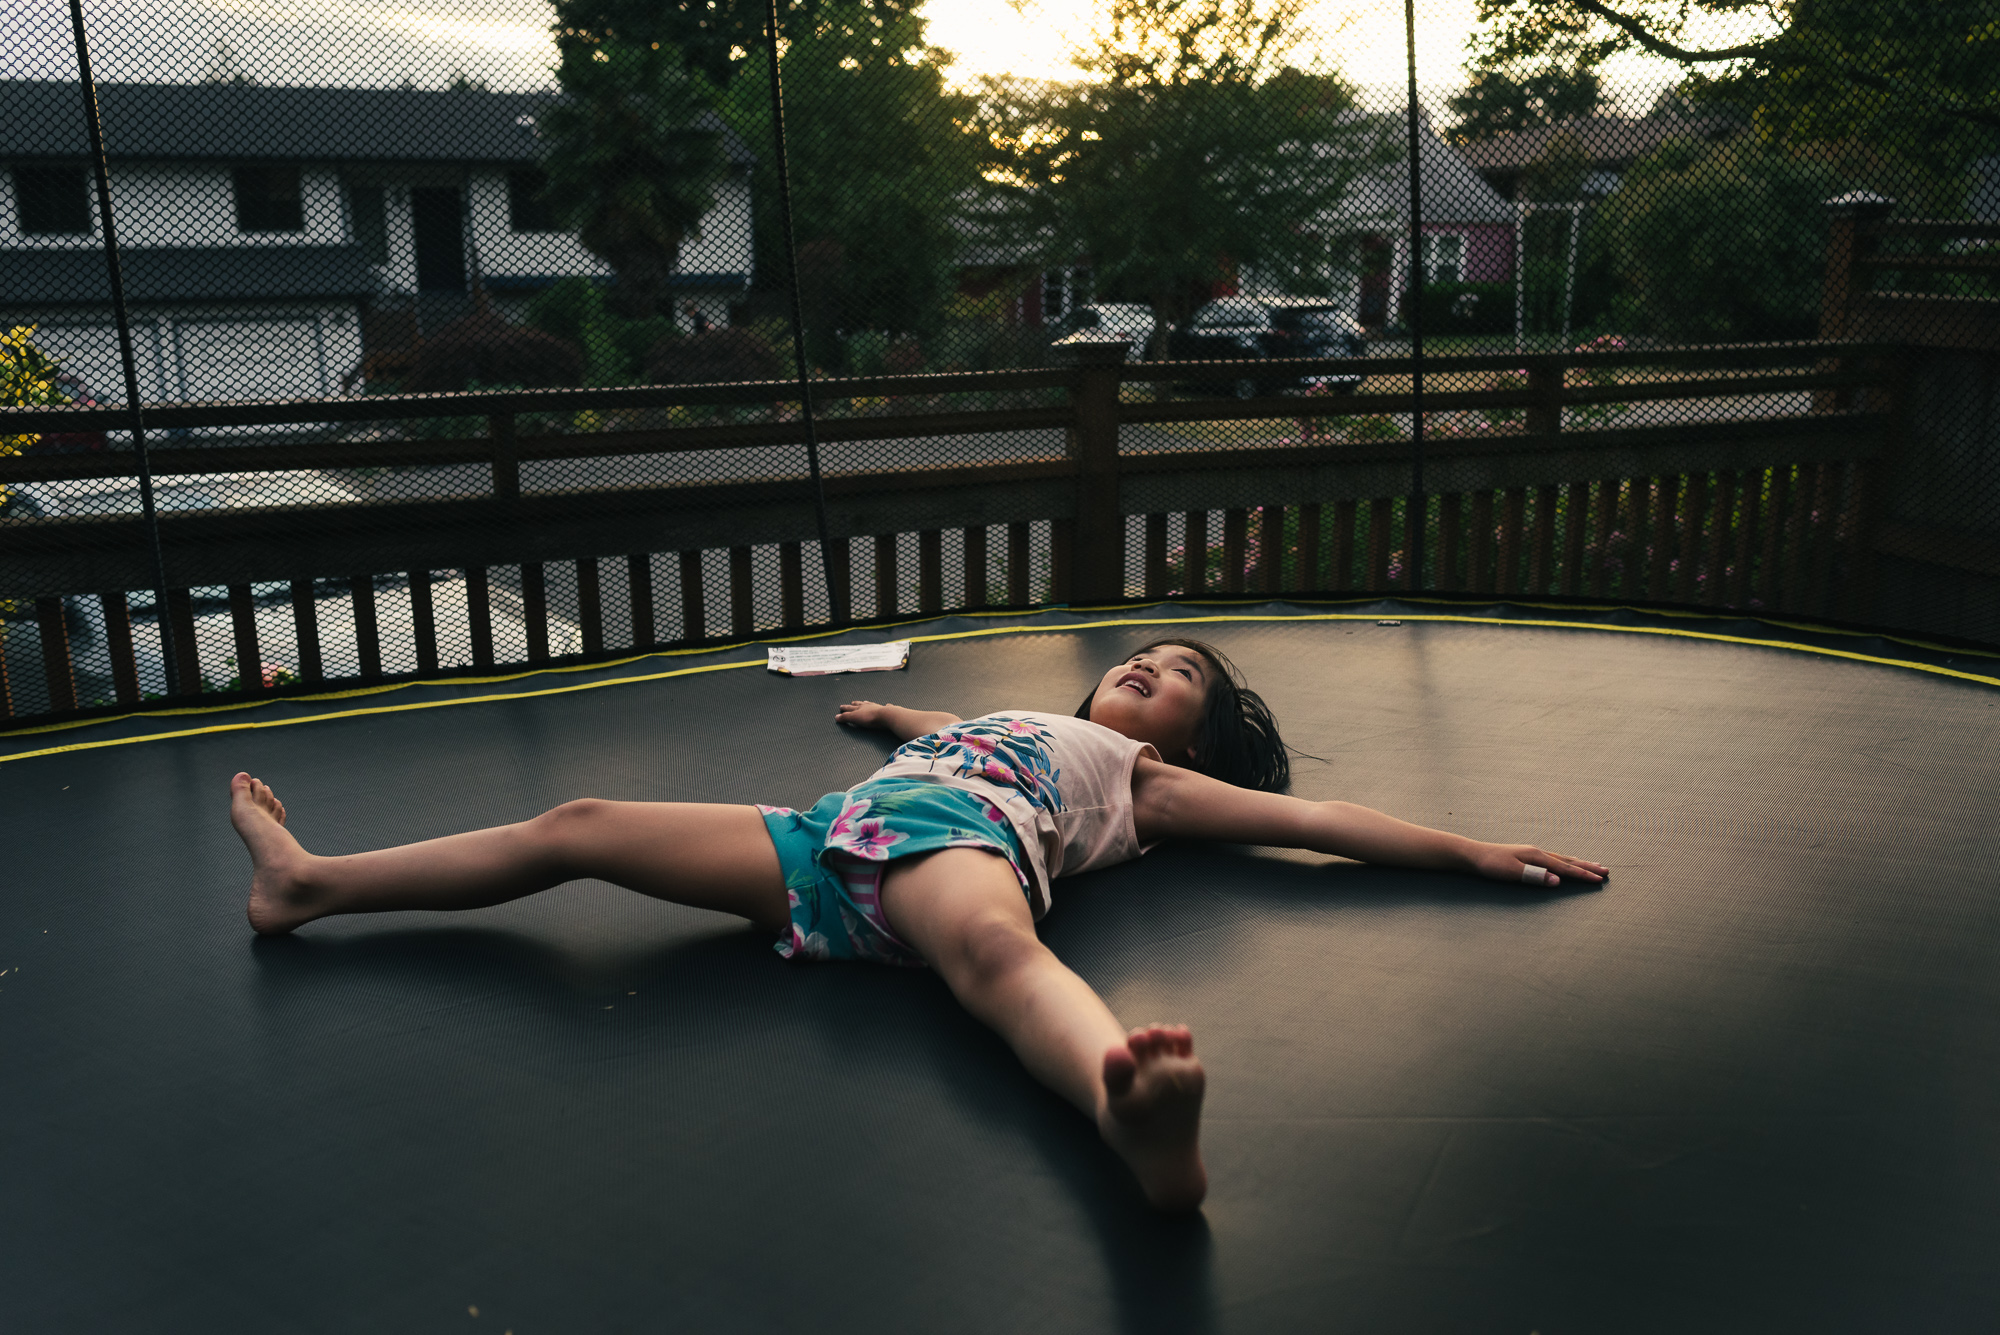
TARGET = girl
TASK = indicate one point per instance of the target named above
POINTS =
(944, 857)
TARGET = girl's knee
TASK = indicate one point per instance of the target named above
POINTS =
(991, 948)
(559, 829)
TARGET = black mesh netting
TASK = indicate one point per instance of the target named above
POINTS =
(468, 336)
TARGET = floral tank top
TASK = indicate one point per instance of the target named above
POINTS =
(1065, 784)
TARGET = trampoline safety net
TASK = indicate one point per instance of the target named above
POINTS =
(346, 343)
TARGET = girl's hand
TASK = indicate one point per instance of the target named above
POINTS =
(1524, 864)
(862, 714)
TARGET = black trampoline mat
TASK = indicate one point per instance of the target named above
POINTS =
(1752, 1085)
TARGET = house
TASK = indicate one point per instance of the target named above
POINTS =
(270, 237)
(1467, 226)
(1608, 145)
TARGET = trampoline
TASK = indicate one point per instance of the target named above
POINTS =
(1753, 1084)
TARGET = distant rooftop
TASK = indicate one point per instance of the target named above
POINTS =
(1608, 141)
(249, 122)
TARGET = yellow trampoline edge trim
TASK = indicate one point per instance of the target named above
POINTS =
(572, 688)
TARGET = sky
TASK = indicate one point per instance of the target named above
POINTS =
(506, 42)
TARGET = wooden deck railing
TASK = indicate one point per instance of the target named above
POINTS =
(1534, 486)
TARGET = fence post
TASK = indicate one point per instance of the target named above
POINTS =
(1097, 559)
(1849, 238)
(506, 457)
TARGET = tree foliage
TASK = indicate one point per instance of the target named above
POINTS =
(633, 155)
(1911, 80)
(877, 157)
(1498, 101)
(1191, 151)
(1718, 241)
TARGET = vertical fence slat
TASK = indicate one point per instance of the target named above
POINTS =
(1305, 576)
(1380, 513)
(6, 683)
(56, 665)
(243, 628)
(1062, 551)
(479, 615)
(423, 620)
(367, 627)
(1750, 495)
(1576, 528)
(930, 571)
(1235, 539)
(305, 629)
(535, 609)
(694, 597)
(1666, 506)
(1479, 541)
(589, 605)
(1825, 501)
(885, 575)
(1694, 511)
(1638, 528)
(1345, 518)
(839, 566)
(742, 593)
(791, 584)
(1154, 557)
(187, 658)
(1858, 567)
(1513, 519)
(1798, 540)
(1721, 524)
(1017, 564)
(1194, 553)
(1451, 541)
(639, 582)
(1777, 502)
(1542, 552)
(977, 580)
(118, 643)
(1605, 524)
(1270, 546)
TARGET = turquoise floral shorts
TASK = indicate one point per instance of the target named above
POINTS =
(834, 854)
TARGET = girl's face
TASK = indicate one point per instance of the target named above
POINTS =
(1158, 695)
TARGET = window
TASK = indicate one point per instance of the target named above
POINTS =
(267, 200)
(52, 201)
(1444, 257)
(527, 211)
(367, 204)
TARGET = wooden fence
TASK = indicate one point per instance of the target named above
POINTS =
(1766, 508)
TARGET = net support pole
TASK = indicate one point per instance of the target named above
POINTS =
(837, 603)
(1413, 519)
(149, 513)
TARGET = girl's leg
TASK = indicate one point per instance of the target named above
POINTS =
(963, 911)
(703, 855)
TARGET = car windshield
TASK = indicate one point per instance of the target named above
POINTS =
(1310, 322)
(1231, 313)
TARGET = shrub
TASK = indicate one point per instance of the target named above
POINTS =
(486, 348)
(718, 356)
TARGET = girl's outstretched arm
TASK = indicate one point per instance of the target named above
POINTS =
(1174, 803)
(902, 724)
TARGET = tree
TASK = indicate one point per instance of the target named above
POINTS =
(1715, 241)
(632, 156)
(1190, 152)
(877, 154)
(1498, 101)
(1910, 81)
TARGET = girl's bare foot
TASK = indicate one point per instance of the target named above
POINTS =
(279, 897)
(1152, 1113)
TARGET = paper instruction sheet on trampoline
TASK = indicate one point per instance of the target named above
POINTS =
(824, 660)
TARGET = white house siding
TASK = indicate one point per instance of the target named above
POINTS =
(505, 253)
(194, 204)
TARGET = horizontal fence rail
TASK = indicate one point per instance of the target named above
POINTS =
(1545, 478)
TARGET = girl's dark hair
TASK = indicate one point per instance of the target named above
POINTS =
(1238, 739)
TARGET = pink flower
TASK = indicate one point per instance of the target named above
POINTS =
(871, 840)
(978, 745)
(1020, 727)
(998, 772)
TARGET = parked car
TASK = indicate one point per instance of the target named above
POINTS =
(1126, 319)
(1253, 329)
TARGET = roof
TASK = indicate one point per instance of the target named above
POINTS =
(1605, 140)
(1452, 192)
(44, 119)
(78, 276)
